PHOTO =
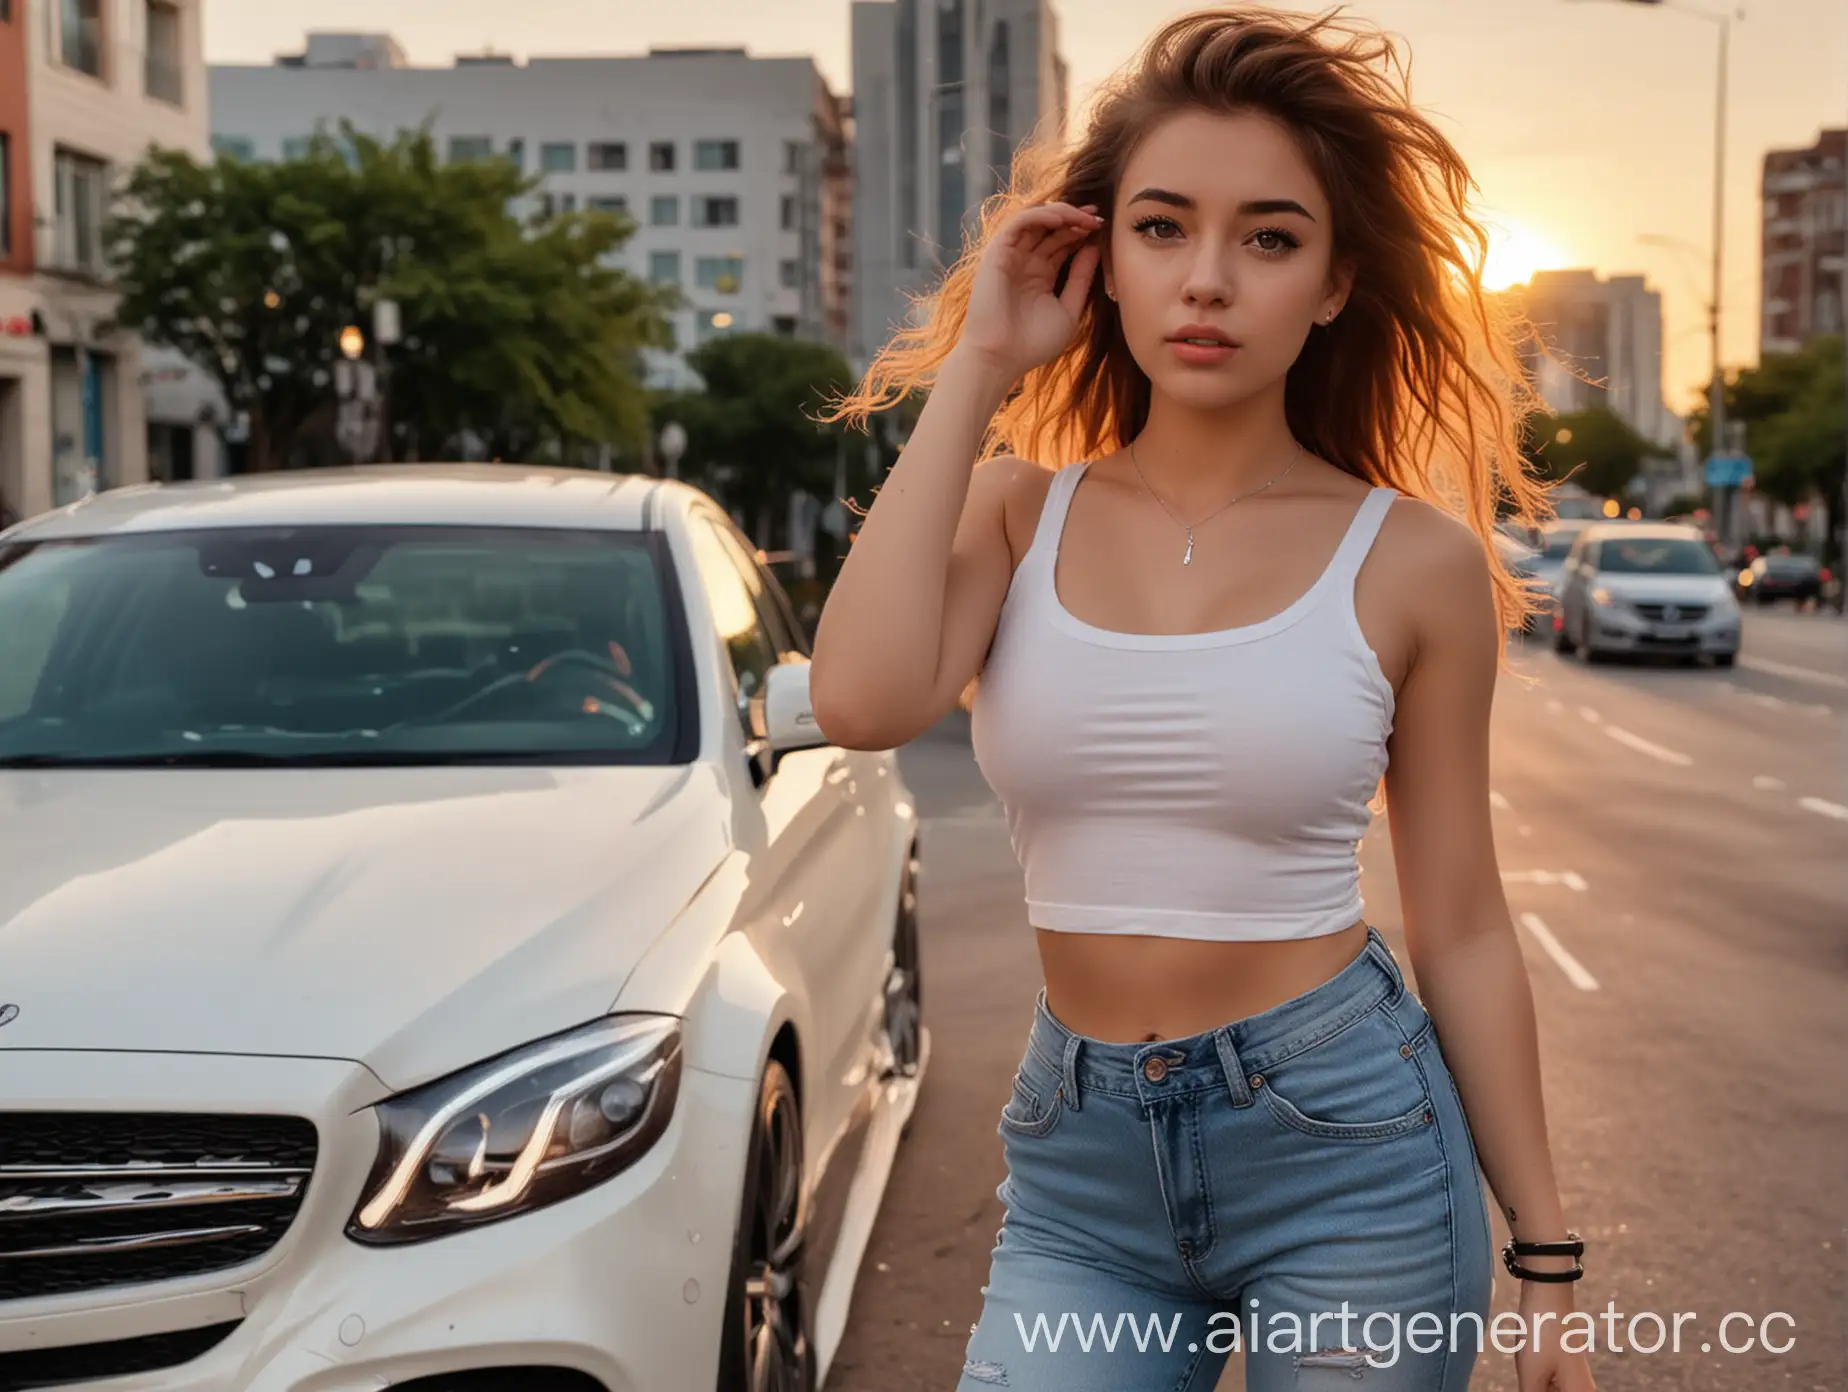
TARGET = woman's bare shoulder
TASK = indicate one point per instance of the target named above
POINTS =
(1014, 489)
(1438, 565)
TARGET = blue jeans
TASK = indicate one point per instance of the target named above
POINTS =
(1169, 1202)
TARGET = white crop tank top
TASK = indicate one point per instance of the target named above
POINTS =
(1200, 785)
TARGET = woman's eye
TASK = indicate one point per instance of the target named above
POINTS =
(1279, 241)
(1158, 228)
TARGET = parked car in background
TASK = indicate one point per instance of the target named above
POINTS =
(1638, 587)
(441, 948)
(1783, 575)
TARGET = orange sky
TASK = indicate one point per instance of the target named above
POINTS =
(1588, 122)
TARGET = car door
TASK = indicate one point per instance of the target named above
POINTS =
(804, 830)
(1581, 573)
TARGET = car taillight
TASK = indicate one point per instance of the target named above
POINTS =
(1559, 621)
(1827, 575)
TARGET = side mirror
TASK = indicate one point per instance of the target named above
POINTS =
(789, 715)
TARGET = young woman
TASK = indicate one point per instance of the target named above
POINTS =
(1244, 422)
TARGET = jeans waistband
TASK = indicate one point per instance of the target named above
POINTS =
(1222, 1057)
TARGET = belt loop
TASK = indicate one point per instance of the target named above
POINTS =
(1235, 1070)
(1070, 1066)
(1376, 944)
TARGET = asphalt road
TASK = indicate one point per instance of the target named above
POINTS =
(1675, 846)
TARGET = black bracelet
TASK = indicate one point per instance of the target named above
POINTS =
(1573, 1246)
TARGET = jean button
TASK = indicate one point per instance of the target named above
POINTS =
(1155, 1069)
(1405, 1051)
(1186, 1248)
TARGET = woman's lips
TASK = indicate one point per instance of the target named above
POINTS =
(1199, 352)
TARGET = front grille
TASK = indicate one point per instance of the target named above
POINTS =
(59, 1367)
(90, 1200)
(1684, 613)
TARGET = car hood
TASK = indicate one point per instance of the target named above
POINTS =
(412, 919)
(1669, 589)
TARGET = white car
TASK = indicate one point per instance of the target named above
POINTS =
(1646, 588)
(437, 947)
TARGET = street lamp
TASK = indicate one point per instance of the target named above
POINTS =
(352, 342)
(1716, 384)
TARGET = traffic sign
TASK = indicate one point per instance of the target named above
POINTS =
(1728, 470)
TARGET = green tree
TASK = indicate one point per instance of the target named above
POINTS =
(752, 436)
(1596, 449)
(521, 338)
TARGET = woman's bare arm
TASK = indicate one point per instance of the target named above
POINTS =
(916, 602)
(1460, 935)
(913, 610)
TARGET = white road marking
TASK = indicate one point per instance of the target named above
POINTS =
(1496, 800)
(1571, 879)
(1785, 669)
(1769, 784)
(1643, 746)
(1590, 714)
(1827, 809)
(1570, 965)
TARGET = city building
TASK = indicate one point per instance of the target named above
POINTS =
(1805, 198)
(945, 91)
(86, 86)
(733, 167)
(1598, 342)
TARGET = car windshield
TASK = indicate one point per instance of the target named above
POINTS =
(1558, 543)
(1790, 565)
(338, 645)
(1656, 556)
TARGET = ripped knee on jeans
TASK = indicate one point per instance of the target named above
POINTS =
(982, 1370)
(1321, 1368)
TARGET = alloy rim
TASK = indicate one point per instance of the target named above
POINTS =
(776, 1339)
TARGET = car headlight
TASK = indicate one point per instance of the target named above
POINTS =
(1603, 598)
(525, 1129)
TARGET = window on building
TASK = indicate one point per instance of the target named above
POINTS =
(784, 325)
(615, 203)
(237, 147)
(558, 157)
(166, 80)
(607, 156)
(82, 195)
(786, 218)
(661, 157)
(664, 267)
(80, 35)
(464, 149)
(789, 274)
(793, 152)
(724, 274)
(715, 154)
(516, 153)
(715, 211)
(664, 210)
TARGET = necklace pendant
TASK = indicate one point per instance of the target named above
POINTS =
(1188, 558)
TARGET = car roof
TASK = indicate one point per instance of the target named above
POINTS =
(465, 495)
(1647, 531)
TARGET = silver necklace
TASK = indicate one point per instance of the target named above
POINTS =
(1188, 527)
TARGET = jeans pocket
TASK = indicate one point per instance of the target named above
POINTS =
(1037, 1100)
(1361, 1084)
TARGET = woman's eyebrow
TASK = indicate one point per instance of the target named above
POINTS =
(1254, 208)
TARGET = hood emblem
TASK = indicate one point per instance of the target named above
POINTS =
(8, 1014)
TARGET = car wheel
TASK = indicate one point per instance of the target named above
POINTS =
(1725, 659)
(904, 993)
(767, 1346)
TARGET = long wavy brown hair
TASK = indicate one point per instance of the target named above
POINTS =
(1418, 384)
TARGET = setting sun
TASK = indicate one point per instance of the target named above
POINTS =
(1515, 253)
